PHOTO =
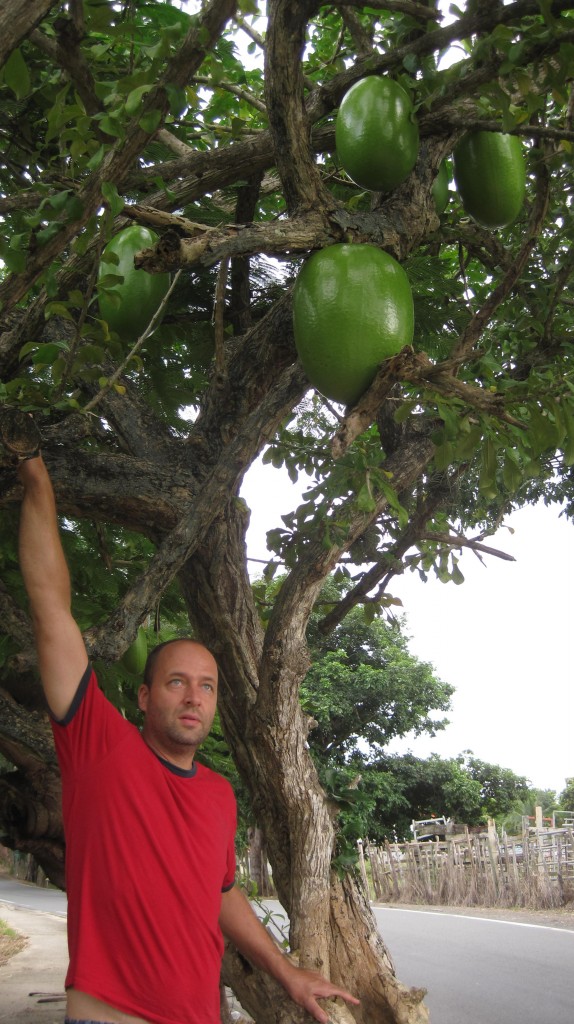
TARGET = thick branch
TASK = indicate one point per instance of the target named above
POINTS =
(179, 544)
(209, 246)
(25, 738)
(288, 118)
(410, 7)
(17, 20)
(414, 368)
(15, 622)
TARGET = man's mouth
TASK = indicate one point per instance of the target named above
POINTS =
(190, 719)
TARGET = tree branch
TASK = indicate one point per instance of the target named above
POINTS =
(17, 20)
(390, 562)
(288, 119)
(416, 368)
(410, 7)
(293, 605)
(455, 540)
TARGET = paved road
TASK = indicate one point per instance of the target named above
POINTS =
(476, 970)
(22, 894)
(483, 971)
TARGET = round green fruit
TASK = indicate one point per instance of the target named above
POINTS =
(128, 306)
(134, 659)
(490, 175)
(352, 309)
(376, 135)
(440, 188)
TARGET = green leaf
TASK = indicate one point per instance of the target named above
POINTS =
(134, 99)
(511, 474)
(60, 309)
(487, 480)
(112, 197)
(16, 75)
(43, 355)
(404, 411)
(365, 500)
(111, 126)
(568, 442)
(95, 160)
(150, 121)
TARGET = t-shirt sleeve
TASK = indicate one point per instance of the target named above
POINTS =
(89, 730)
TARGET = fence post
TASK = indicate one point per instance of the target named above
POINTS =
(362, 866)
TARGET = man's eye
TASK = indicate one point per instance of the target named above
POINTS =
(175, 682)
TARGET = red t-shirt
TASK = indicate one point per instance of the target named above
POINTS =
(149, 850)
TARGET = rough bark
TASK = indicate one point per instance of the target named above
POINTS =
(258, 868)
(17, 20)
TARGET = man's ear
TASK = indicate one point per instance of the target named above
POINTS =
(143, 696)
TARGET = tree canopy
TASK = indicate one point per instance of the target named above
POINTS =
(214, 126)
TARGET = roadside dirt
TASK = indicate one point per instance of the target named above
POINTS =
(10, 945)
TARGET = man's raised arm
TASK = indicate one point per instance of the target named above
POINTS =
(62, 657)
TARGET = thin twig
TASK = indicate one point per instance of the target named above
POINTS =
(133, 351)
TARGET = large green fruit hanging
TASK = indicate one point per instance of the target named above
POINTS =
(352, 309)
(134, 658)
(133, 302)
(490, 175)
(376, 135)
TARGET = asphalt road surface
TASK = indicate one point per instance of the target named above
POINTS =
(482, 971)
(476, 969)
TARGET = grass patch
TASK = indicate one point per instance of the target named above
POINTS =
(11, 942)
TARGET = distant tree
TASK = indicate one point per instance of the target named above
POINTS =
(500, 787)
(381, 796)
(429, 787)
(364, 688)
(566, 798)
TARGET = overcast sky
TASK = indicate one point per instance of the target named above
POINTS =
(503, 638)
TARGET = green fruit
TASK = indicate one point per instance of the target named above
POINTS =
(352, 309)
(490, 175)
(376, 135)
(134, 659)
(129, 306)
(440, 188)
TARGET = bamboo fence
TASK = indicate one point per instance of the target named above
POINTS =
(535, 870)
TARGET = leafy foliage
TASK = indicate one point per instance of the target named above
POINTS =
(567, 796)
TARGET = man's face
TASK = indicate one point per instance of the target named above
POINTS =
(180, 704)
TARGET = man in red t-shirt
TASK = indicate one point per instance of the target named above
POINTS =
(149, 832)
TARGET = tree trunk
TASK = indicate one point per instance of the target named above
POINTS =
(258, 870)
(331, 926)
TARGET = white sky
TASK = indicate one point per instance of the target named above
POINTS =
(503, 638)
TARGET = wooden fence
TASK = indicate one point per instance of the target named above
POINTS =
(535, 870)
